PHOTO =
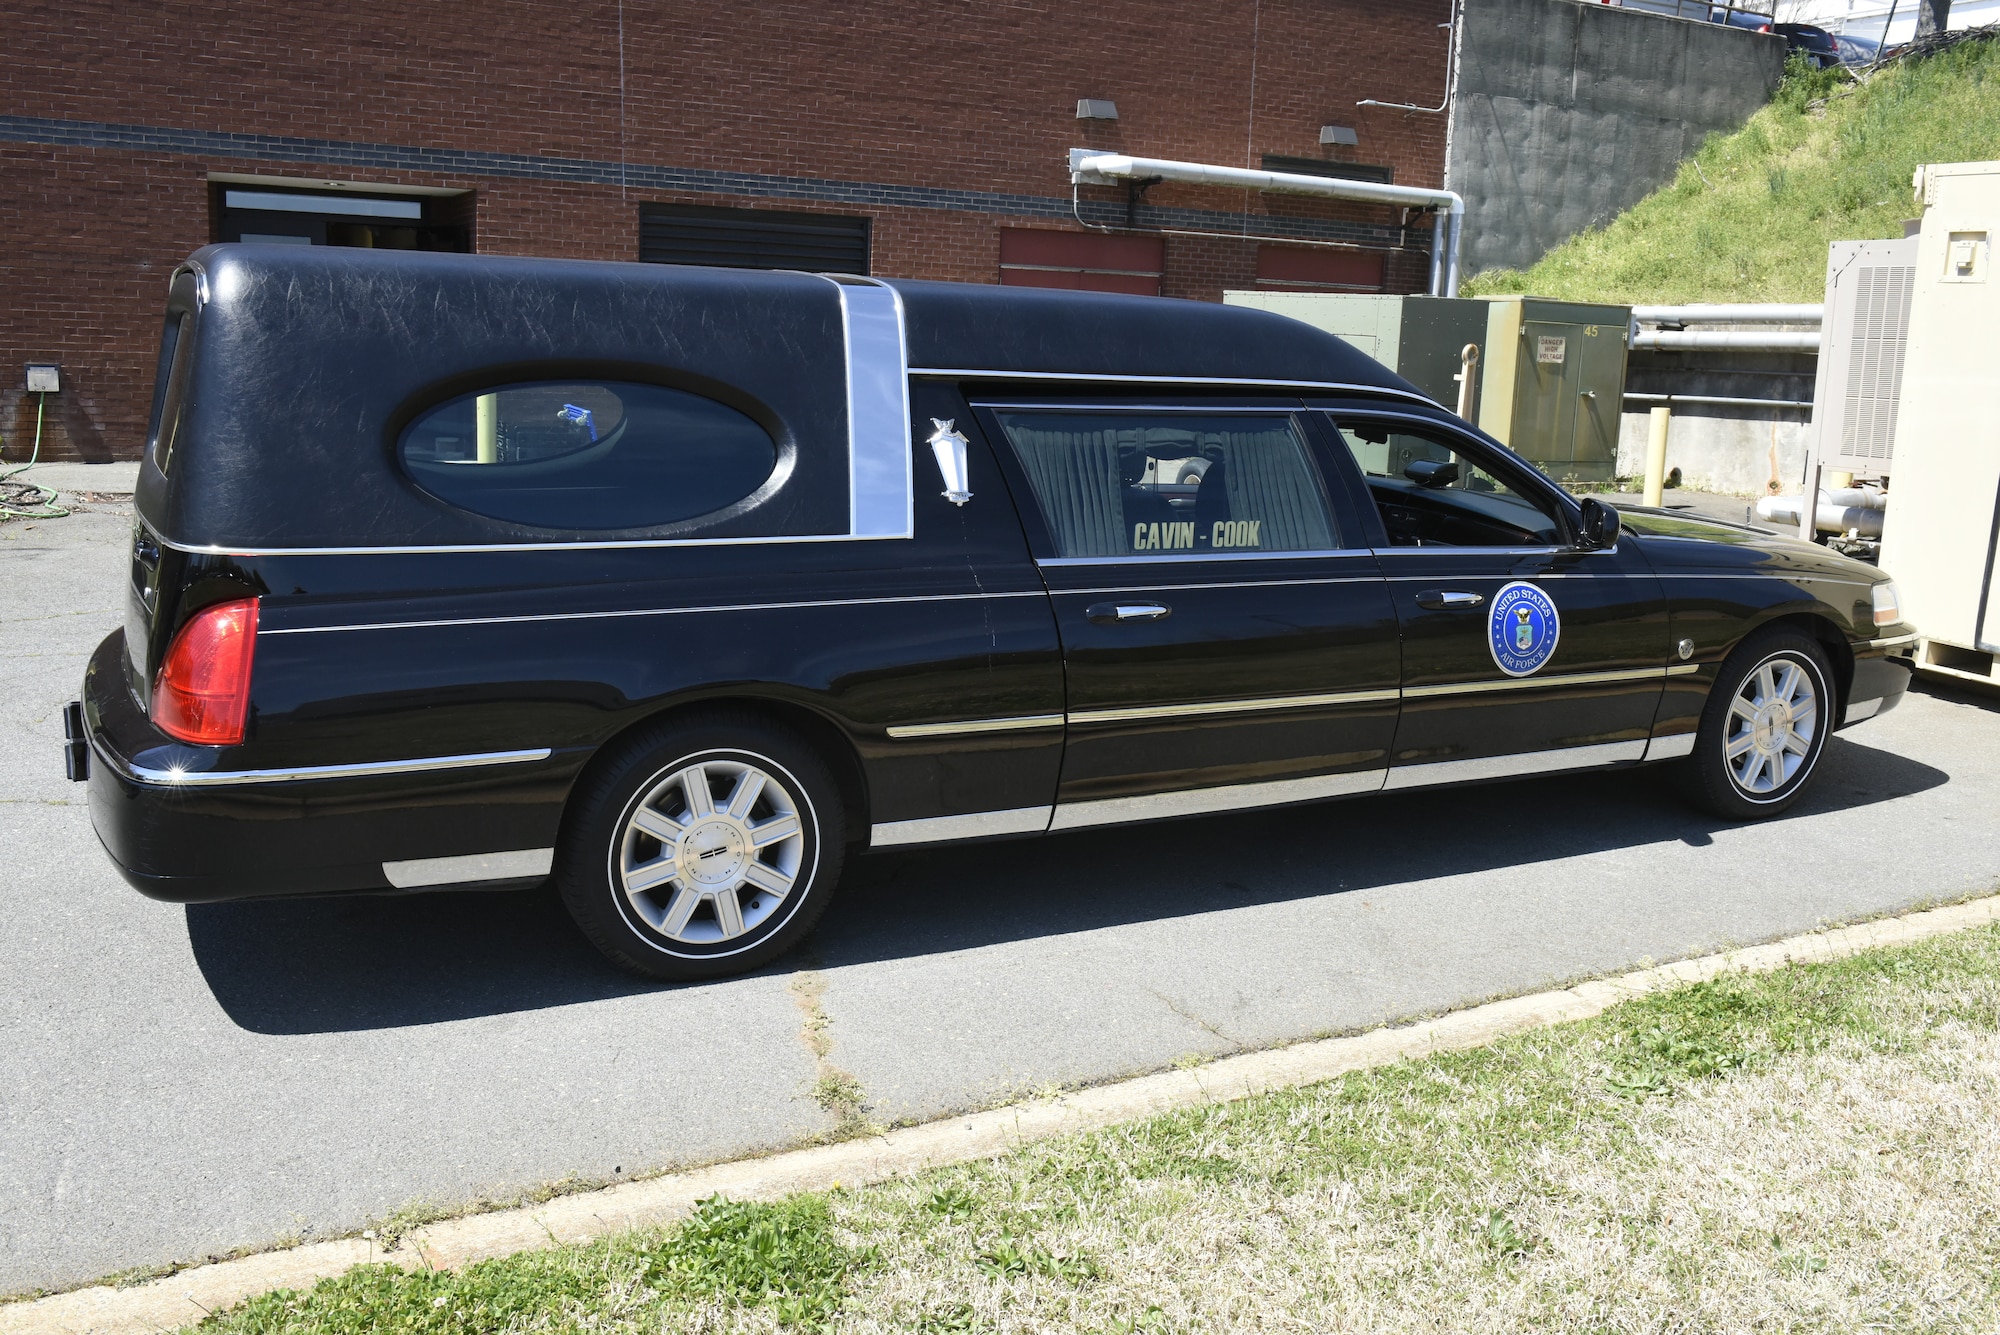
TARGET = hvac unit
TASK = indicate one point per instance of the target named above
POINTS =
(1943, 520)
(1863, 335)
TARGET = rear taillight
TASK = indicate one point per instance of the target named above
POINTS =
(203, 691)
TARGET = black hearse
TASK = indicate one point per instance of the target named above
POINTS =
(681, 585)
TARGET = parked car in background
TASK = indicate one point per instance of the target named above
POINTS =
(679, 586)
(1856, 51)
(1816, 44)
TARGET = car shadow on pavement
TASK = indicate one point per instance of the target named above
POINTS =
(382, 961)
(334, 964)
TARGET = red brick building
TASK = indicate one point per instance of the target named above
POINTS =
(924, 141)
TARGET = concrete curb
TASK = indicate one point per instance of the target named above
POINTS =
(179, 1299)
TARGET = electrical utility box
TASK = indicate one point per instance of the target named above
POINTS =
(1419, 338)
(1551, 373)
(1859, 389)
(1943, 519)
(1554, 383)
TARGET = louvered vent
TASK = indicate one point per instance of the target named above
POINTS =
(1875, 360)
(1862, 347)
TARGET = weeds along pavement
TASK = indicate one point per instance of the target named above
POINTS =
(1816, 1148)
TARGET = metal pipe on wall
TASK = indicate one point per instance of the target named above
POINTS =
(1090, 168)
(1684, 340)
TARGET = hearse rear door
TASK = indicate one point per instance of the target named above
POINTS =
(1228, 641)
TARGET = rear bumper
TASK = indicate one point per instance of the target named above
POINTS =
(175, 836)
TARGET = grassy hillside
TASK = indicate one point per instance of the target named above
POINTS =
(1748, 217)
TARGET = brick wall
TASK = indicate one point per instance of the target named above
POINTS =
(944, 122)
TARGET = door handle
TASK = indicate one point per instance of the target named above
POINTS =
(1111, 614)
(1449, 600)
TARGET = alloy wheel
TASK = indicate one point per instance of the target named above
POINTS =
(710, 851)
(1772, 721)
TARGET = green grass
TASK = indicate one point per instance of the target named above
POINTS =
(1748, 218)
(1812, 1149)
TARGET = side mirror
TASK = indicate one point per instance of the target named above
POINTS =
(1600, 524)
(1431, 472)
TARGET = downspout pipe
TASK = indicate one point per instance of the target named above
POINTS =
(1088, 168)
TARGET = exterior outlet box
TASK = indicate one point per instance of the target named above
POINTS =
(1551, 373)
(44, 378)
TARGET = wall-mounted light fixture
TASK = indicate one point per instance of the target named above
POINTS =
(1096, 109)
(1337, 134)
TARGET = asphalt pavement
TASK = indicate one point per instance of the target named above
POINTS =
(176, 1082)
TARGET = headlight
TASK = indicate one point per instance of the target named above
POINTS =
(1887, 611)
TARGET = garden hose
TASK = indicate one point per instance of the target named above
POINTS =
(24, 506)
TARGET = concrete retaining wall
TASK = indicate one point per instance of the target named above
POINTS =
(1732, 448)
(1566, 114)
(1736, 456)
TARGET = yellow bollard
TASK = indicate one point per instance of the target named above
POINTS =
(1656, 455)
(486, 414)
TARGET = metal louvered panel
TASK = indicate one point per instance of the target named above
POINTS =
(752, 238)
(1875, 360)
(1866, 330)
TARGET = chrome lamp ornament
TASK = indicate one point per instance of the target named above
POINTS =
(949, 447)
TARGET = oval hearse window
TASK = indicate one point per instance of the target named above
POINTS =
(588, 454)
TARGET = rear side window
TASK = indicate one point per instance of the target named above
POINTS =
(587, 455)
(1112, 484)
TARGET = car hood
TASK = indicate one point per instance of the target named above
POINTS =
(1681, 538)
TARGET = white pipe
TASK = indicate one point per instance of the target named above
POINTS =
(1746, 313)
(1831, 514)
(1087, 168)
(1681, 340)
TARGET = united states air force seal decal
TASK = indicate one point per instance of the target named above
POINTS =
(1522, 629)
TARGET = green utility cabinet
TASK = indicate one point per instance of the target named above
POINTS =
(1551, 373)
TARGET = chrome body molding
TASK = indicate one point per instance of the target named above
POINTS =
(1891, 642)
(1198, 801)
(648, 612)
(1223, 382)
(1483, 551)
(1683, 669)
(169, 778)
(1019, 723)
(1670, 748)
(1215, 558)
(1140, 589)
(975, 825)
(1861, 709)
(470, 869)
(1504, 767)
(461, 549)
(1269, 702)
(1526, 683)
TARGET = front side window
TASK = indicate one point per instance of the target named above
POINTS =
(1114, 484)
(1432, 494)
(585, 455)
